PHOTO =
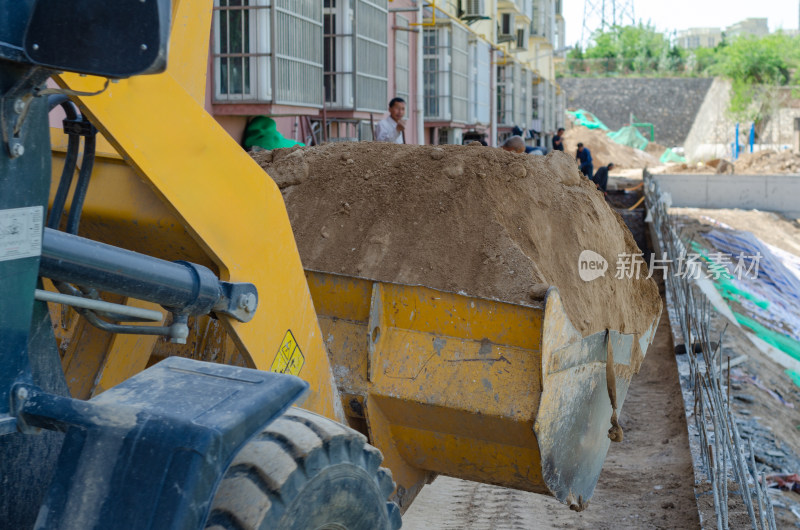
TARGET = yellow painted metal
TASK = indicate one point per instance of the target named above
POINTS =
(124, 354)
(445, 383)
(231, 210)
(472, 388)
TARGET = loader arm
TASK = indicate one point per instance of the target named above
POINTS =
(231, 209)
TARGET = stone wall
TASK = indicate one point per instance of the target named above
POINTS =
(670, 104)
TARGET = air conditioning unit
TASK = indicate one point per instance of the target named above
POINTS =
(522, 38)
(507, 29)
(474, 8)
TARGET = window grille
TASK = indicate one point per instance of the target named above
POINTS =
(338, 53)
(480, 72)
(242, 50)
(298, 52)
(268, 51)
(356, 47)
(436, 81)
(459, 73)
(401, 58)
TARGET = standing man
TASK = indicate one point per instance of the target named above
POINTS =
(584, 158)
(558, 140)
(601, 177)
(390, 129)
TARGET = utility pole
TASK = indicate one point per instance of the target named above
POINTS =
(603, 14)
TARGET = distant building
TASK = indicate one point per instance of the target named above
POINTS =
(756, 27)
(694, 38)
(325, 71)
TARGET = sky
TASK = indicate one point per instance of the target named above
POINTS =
(668, 15)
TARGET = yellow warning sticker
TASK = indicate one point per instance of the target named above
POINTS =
(290, 359)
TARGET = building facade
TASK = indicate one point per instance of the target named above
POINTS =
(694, 38)
(756, 27)
(325, 70)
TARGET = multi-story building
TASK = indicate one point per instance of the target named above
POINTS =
(694, 38)
(756, 27)
(325, 70)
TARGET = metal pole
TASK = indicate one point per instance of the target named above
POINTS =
(98, 305)
(420, 99)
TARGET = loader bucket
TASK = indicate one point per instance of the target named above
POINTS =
(472, 388)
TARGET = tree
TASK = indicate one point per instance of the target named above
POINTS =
(755, 67)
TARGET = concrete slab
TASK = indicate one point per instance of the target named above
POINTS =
(775, 193)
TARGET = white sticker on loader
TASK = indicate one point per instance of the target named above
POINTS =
(20, 232)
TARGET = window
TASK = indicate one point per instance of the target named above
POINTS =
(502, 100)
(459, 71)
(253, 38)
(436, 81)
(480, 72)
(338, 53)
(508, 87)
(242, 50)
(355, 51)
(401, 58)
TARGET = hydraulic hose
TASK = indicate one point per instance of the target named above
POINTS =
(87, 163)
(64, 183)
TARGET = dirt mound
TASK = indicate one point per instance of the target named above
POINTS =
(466, 219)
(767, 162)
(605, 150)
(655, 149)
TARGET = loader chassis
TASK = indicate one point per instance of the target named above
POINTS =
(151, 451)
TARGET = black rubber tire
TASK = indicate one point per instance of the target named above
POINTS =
(305, 471)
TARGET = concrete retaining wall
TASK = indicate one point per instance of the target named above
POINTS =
(775, 193)
(712, 131)
(670, 104)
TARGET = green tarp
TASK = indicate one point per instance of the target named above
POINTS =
(671, 156)
(629, 136)
(263, 132)
(587, 119)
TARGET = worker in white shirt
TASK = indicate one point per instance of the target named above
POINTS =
(390, 129)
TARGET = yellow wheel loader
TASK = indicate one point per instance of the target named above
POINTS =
(157, 321)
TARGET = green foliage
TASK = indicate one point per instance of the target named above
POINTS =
(754, 65)
(764, 61)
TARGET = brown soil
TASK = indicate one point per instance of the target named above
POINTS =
(464, 219)
(646, 482)
(655, 149)
(770, 227)
(766, 162)
(605, 150)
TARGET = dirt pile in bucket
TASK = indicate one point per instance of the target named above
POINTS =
(469, 219)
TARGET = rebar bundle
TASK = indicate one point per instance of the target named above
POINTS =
(726, 460)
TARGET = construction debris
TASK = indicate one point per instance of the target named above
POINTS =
(767, 162)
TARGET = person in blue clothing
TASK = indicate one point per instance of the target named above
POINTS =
(601, 177)
(584, 158)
